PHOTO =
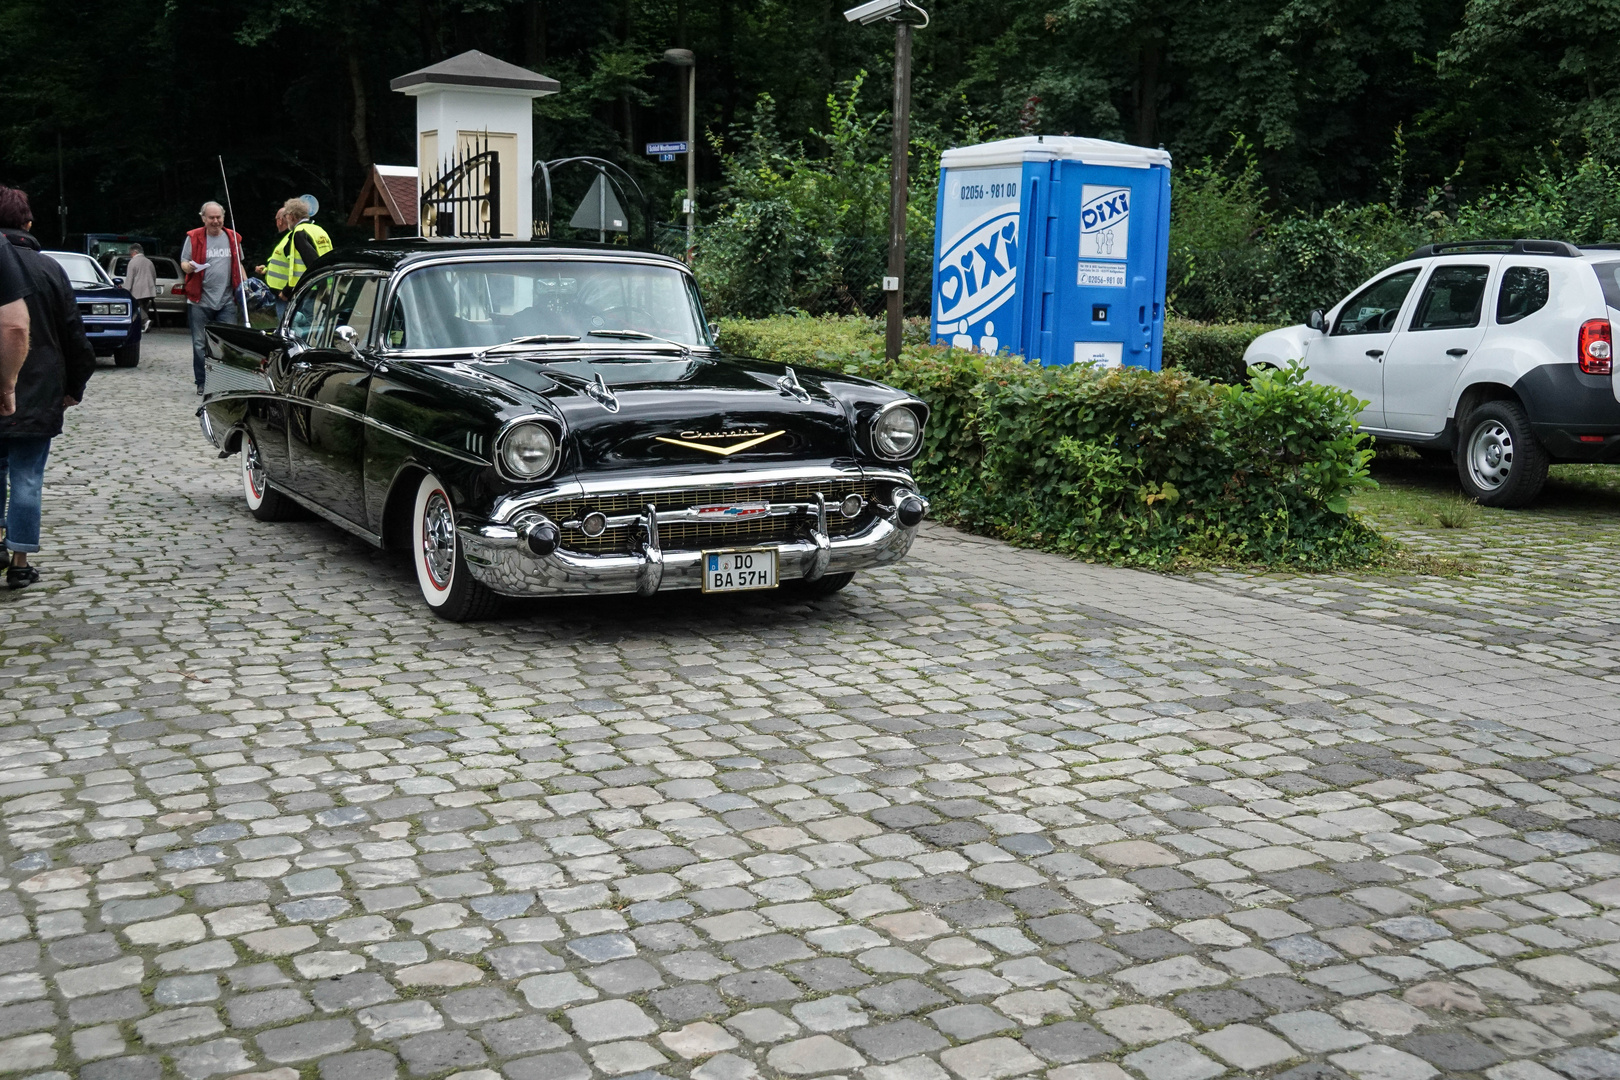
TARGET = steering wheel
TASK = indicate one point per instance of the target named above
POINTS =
(635, 313)
(1384, 322)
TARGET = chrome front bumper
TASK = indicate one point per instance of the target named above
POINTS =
(499, 556)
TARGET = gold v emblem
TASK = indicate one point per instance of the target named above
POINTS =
(723, 451)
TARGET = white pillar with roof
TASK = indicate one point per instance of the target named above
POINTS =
(474, 98)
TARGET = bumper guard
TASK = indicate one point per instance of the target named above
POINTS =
(501, 555)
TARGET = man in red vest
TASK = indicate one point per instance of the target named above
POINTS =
(211, 258)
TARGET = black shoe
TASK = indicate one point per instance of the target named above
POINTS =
(20, 577)
(199, 391)
(5, 559)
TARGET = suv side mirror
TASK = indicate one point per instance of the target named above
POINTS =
(1317, 321)
(347, 339)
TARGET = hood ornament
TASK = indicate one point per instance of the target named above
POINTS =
(789, 384)
(598, 390)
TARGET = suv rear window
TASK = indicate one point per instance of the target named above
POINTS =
(1523, 292)
(1609, 277)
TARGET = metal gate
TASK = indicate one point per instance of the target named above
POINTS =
(465, 199)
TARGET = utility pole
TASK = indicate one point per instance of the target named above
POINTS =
(898, 193)
(899, 12)
(687, 59)
(61, 191)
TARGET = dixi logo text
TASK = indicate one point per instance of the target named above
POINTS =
(978, 270)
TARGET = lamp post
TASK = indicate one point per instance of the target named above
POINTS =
(899, 12)
(687, 59)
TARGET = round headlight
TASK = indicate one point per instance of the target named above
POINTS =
(528, 450)
(896, 433)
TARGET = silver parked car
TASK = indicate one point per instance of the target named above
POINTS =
(171, 284)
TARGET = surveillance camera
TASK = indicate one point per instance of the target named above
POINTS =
(873, 10)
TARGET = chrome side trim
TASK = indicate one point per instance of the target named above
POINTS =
(322, 512)
(223, 378)
(398, 433)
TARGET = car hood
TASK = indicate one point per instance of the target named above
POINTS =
(100, 296)
(666, 410)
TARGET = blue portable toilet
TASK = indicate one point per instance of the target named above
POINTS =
(1053, 248)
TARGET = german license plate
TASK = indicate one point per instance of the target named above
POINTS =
(739, 571)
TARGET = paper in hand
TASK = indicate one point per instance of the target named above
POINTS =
(198, 267)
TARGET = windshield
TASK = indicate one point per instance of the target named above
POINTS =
(472, 305)
(82, 270)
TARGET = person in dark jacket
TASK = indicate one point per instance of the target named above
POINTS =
(14, 290)
(59, 364)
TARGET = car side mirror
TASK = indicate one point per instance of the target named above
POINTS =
(1317, 321)
(118, 281)
(714, 332)
(347, 339)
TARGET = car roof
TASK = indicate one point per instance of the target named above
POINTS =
(1556, 249)
(397, 254)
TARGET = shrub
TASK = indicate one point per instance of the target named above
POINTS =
(803, 230)
(1212, 352)
(802, 339)
(1137, 467)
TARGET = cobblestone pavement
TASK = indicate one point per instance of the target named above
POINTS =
(1546, 592)
(989, 815)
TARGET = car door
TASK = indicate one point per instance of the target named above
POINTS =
(1350, 356)
(289, 368)
(329, 392)
(1426, 358)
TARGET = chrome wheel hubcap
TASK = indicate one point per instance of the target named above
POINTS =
(1490, 455)
(438, 539)
(255, 469)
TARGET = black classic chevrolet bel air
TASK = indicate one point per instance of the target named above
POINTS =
(531, 420)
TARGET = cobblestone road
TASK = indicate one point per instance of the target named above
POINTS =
(990, 815)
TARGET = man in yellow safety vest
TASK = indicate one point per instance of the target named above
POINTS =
(274, 272)
(304, 243)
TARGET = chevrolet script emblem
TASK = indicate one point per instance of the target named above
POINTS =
(751, 439)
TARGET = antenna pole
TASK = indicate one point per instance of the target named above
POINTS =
(241, 289)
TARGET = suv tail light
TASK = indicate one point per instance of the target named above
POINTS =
(180, 290)
(1597, 347)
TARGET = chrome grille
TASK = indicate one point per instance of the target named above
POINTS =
(693, 535)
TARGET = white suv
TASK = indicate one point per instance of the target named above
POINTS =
(1499, 352)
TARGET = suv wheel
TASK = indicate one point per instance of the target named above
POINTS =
(1499, 460)
(441, 571)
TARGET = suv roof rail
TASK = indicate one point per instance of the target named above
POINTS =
(1599, 247)
(1507, 247)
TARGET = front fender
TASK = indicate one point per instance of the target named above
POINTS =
(1279, 348)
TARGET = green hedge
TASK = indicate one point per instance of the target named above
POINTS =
(1125, 465)
(1212, 351)
(1133, 466)
(1209, 351)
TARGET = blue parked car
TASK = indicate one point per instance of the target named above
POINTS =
(111, 320)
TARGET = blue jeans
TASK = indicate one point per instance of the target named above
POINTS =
(197, 317)
(22, 462)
